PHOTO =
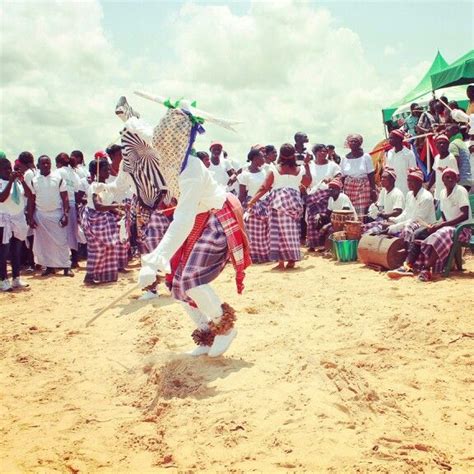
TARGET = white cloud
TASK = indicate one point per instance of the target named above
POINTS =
(390, 51)
(58, 75)
(280, 68)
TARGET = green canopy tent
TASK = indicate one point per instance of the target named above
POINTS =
(458, 73)
(423, 87)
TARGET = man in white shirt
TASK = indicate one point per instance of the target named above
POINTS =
(391, 200)
(443, 160)
(73, 186)
(13, 227)
(194, 251)
(412, 223)
(338, 201)
(419, 205)
(48, 215)
(400, 159)
(221, 169)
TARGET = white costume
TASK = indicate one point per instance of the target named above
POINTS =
(73, 185)
(401, 161)
(319, 173)
(439, 165)
(50, 246)
(197, 193)
(12, 214)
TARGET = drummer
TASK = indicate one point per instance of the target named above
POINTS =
(390, 202)
(338, 201)
(433, 251)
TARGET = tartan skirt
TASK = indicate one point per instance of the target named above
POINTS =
(102, 237)
(258, 232)
(358, 191)
(286, 209)
(206, 261)
(316, 204)
(441, 242)
(151, 227)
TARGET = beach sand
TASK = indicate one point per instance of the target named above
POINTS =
(335, 369)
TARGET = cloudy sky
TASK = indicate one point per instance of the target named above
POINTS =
(326, 68)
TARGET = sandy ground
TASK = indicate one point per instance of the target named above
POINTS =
(335, 369)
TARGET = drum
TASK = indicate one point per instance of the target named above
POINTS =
(338, 218)
(382, 250)
(353, 229)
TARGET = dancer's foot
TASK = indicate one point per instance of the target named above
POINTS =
(148, 295)
(68, 272)
(280, 266)
(222, 343)
(290, 265)
(199, 351)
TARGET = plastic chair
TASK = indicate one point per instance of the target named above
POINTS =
(455, 252)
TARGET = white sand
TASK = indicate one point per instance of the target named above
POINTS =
(335, 369)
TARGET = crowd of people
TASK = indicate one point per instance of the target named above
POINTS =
(51, 219)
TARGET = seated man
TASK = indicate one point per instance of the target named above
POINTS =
(434, 250)
(411, 224)
(390, 203)
(338, 201)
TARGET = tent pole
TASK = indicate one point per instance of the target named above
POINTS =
(428, 155)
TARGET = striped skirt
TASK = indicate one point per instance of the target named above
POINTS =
(101, 233)
(206, 261)
(151, 227)
(358, 191)
(316, 204)
(286, 209)
(441, 242)
(258, 232)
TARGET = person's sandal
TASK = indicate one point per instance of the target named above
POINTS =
(403, 271)
(425, 276)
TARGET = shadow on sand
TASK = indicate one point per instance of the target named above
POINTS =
(183, 376)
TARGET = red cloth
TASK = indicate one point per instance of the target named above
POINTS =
(230, 217)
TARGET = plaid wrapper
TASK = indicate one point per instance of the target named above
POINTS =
(441, 242)
(258, 232)
(408, 232)
(151, 227)
(316, 204)
(206, 261)
(358, 191)
(101, 233)
(373, 228)
(285, 226)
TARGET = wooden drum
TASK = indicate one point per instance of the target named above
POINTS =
(353, 229)
(381, 250)
(338, 218)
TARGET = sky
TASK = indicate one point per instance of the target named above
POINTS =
(323, 67)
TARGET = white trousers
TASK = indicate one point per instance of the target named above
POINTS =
(208, 305)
